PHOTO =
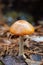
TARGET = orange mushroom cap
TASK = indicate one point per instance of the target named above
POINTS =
(21, 27)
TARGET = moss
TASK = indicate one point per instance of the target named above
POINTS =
(1, 63)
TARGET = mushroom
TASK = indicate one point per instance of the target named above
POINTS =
(21, 28)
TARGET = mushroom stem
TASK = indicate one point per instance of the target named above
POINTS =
(21, 46)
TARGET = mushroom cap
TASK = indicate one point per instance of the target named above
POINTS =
(21, 27)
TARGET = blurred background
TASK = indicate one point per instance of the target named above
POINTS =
(30, 10)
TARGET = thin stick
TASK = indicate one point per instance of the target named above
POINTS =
(31, 52)
(37, 27)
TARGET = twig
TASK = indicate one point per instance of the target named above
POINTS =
(37, 27)
(31, 52)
